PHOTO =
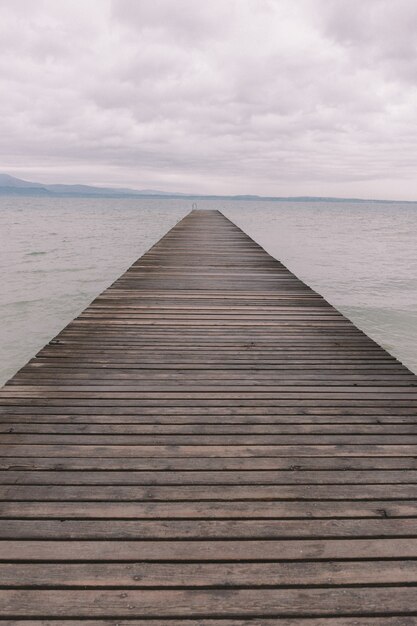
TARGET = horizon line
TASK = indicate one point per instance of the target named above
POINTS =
(53, 189)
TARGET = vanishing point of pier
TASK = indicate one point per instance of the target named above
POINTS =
(209, 443)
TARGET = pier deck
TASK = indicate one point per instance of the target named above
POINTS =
(209, 443)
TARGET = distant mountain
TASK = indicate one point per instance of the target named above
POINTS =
(16, 186)
(11, 181)
(9, 185)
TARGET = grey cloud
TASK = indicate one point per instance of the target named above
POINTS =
(231, 96)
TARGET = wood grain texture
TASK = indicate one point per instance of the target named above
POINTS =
(210, 443)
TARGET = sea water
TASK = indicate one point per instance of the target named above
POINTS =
(57, 254)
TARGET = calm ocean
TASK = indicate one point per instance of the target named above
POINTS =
(56, 255)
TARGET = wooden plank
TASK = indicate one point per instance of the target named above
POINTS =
(296, 466)
(201, 477)
(206, 440)
(229, 603)
(259, 493)
(212, 529)
(292, 464)
(209, 443)
(232, 574)
(297, 621)
(173, 451)
(208, 550)
(208, 429)
(210, 509)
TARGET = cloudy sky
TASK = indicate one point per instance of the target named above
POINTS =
(276, 97)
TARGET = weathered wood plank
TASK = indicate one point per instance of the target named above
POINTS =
(212, 529)
(173, 451)
(259, 493)
(232, 574)
(201, 477)
(264, 621)
(211, 509)
(314, 466)
(223, 602)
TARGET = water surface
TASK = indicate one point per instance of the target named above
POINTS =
(56, 255)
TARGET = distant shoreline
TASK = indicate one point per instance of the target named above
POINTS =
(12, 186)
(45, 193)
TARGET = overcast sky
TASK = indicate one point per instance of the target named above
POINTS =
(276, 97)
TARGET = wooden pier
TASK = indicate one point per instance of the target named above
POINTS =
(209, 443)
